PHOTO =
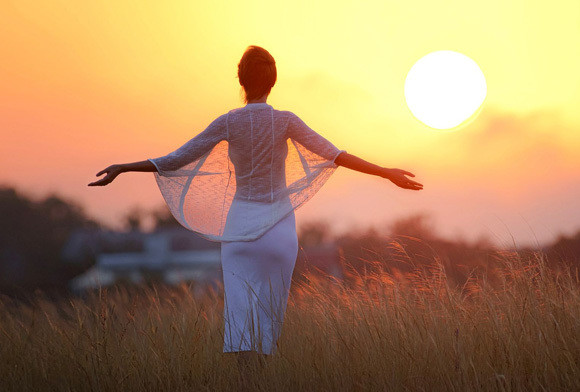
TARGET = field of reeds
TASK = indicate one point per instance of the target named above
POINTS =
(378, 332)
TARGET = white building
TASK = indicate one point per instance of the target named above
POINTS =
(171, 255)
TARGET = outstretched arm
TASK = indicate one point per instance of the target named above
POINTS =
(114, 170)
(396, 176)
(187, 153)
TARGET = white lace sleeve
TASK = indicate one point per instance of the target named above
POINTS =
(306, 136)
(194, 148)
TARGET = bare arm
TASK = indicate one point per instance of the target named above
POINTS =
(114, 170)
(396, 176)
(187, 153)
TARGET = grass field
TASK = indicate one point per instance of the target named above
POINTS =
(377, 333)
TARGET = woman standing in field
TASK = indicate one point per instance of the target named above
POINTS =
(238, 182)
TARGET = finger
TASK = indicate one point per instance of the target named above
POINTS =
(101, 172)
(103, 181)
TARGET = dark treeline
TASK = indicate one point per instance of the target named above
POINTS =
(33, 233)
(413, 243)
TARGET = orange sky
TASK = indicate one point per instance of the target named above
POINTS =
(84, 85)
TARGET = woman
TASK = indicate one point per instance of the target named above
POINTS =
(238, 182)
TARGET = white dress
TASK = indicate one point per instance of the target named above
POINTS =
(238, 182)
(257, 276)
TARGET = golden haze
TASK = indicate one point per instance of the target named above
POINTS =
(84, 85)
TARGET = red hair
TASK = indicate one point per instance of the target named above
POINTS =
(256, 72)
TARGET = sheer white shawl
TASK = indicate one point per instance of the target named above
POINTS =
(245, 172)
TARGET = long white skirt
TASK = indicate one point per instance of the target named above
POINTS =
(257, 276)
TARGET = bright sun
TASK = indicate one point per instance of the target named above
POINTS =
(445, 88)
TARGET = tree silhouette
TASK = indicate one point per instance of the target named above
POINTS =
(32, 234)
(163, 218)
(313, 233)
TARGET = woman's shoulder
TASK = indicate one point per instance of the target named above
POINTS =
(288, 115)
(235, 110)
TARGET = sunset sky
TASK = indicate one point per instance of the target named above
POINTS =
(87, 84)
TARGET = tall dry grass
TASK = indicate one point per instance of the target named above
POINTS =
(380, 332)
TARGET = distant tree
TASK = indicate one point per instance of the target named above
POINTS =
(418, 226)
(565, 249)
(313, 233)
(163, 218)
(32, 234)
(134, 219)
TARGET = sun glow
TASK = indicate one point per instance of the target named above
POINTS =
(443, 89)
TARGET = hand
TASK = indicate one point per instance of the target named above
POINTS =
(397, 177)
(112, 172)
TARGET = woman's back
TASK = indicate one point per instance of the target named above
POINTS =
(257, 140)
(258, 147)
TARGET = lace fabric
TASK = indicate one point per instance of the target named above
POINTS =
(244, 173)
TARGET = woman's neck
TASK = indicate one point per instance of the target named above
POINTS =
(262, 99)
